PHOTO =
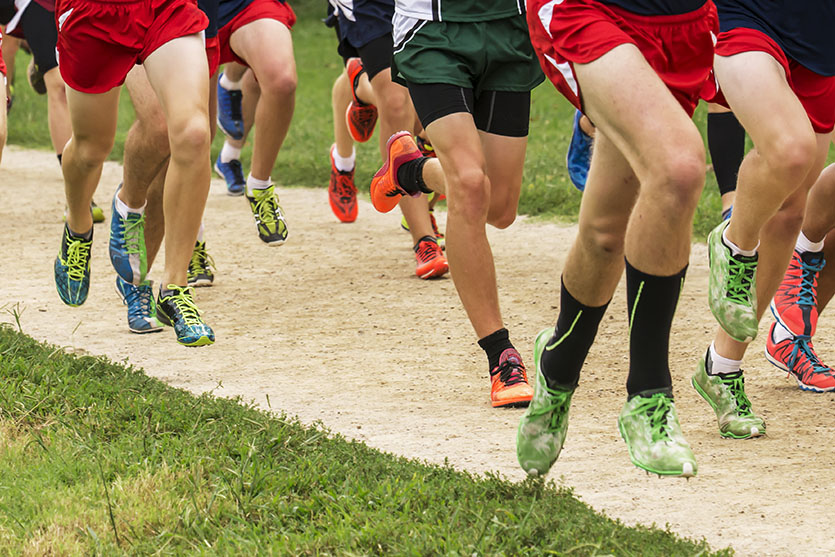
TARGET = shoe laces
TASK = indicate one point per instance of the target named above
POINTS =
(559, 403)
(200, 259)
(435, 229)
(808, 280)
(344, 185)
(184, 303)
(234, 109)
(77, 257)
(657, 409)
(266, 205)
(510, 372)
(134, 230)
(427, 250)
(139, 299)
(741, 279)
(237, 171)
(803, 354)
(735, 383)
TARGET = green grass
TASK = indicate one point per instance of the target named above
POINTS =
(100, 459)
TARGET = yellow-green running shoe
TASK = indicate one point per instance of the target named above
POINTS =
(732, 288)
(269, 218)
(726, 395)
(649, 425)
(72, 268)
(201, 266)
(176, 308)
(542, 429)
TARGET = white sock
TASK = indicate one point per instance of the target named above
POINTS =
(256, 184)
(228, 84)
(200, 233)
(781, 334)
(804, 244)
(344, 164)
(722, 365)
(123, 209)
(736, 249)
(228, 153)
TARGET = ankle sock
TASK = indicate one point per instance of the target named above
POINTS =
(735, 249)
(721, 365)
(410, 176)
(804, 244)
(256, 184)
(494, 344)
(123, 209)
(229, 153)
(344, 164)
(228, 84)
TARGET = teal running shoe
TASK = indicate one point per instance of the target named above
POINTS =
(176, 308)
(732, 288)
(649, 425)
(142, 308)
(726, 395)
(542, 429)
(127, 244)
(72, 268)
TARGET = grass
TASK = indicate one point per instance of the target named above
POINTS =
(101, 459)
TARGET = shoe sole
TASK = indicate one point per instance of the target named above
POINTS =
(202, 341)
(686, 468)
(803, 386)
(203, 283)
(725, 434)
(518, 402)
(131, 329)
(226, 133)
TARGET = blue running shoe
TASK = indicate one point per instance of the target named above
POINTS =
(578, 158)
(176, 308)
(726, 214)
(127, 244)
(142, 308)
(229, 111)
(233, 173)
(72, 269)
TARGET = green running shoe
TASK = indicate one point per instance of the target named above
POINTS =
(176, 308)
(98, 212)
(732, 288)
(72, 268)
(726, 395)
(269, 218)
(649, 425)
(200, 268)
(542, 429)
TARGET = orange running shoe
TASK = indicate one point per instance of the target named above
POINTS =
(431, 262)
(510, 381)
(360, 117)
(385, 190)
(342, 193)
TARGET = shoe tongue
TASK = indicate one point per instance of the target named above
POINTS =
(512, 356)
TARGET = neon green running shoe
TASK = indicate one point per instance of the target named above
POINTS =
(726, 395)
(176, 308)
(649, 425)
(200, 267)
(542, 430)
(98, 212)
(269, 218)
(732, 288)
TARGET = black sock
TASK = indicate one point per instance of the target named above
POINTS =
(651, 302)
(410, 176)
(87, 236)
(573, 336)
(60, 156)
(726, 142)
(494, 344)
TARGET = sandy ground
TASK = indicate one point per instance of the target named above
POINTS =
(335, 328)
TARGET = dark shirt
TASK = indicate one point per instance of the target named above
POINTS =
(209, 8)
(657, 7)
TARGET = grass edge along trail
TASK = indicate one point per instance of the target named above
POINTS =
(99, 458)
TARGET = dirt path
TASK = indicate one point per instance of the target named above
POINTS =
(335, 327)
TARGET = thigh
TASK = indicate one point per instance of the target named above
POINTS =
(265, 45)
(94, 117)
(142, 96)
(179, 75)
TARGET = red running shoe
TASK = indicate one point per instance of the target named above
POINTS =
(431, 262)
(509, 380)
(342, 193)
(360, 117)
(797, 356)
(385, 190)
(795, 305)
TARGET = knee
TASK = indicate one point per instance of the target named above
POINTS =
(679, 179)
(792, 156)
(502, 217)
(154, 131)
(190, 139)
(788, 221)
(279, 81)
(603, 236)
(91, 152)
(470, 195)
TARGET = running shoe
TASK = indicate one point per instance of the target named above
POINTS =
(425, 147)
(795, 305)
(342, 193)
(233, 173)
(385, 190)
(543, 428)
(726, 395)
(201, 266)
(509, 381)
(127, 244)
(176, 308)
(726, 214)
(578, 158)
(98, 212)
(72, 268)
(269, 218)
(142, 308)
(732, 287)
(796, 356)
(431, 262)
(35, 78)
(360, 117)
(230, 111)
(649, 425)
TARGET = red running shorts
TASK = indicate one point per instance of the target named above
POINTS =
(99, 42)
(258, 9)
(678, 47)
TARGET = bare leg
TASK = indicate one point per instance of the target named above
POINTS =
(340, 99)
(58, 113)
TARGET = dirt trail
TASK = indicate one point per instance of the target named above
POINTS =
(335, 327)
